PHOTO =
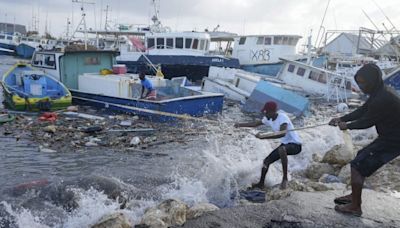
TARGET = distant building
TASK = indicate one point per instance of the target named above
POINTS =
(11, 28)
(349, 44)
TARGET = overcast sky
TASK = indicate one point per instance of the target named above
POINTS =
(238, 16)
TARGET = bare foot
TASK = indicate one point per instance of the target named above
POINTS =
(284, 184)
(349, 209)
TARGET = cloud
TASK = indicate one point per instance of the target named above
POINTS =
(239, 16)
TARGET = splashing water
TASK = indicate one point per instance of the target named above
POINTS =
(211, 169)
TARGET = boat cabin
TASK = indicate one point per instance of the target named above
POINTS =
(315, 80)
(68, 65)
(180, 43)
(8, 41)
(264, 49)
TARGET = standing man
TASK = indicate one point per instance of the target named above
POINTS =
(382, 110)
(290, 142)
(148, 91)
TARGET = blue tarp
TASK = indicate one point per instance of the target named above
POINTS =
(287, 101)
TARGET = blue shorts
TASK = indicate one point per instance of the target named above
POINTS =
(375, 155)
(291, 149)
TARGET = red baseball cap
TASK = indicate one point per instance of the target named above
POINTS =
(270, 106)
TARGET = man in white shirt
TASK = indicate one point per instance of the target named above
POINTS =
(290, 140)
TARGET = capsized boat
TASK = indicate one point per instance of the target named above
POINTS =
(28, 89)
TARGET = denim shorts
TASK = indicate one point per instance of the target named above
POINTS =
(375, 155)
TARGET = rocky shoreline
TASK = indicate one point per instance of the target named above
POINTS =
(305, 209)
(307, 202)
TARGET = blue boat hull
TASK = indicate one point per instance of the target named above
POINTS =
(394, 80)
(25, 51)
(193, 67)
(287, 100)
(6, 52)
(265, 69)
(8, 46)
(272, 69)
(189, 106)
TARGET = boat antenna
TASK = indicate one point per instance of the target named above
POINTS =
(68, 26)
(83, 19)
(370, 20)
(322, 22)
(216, 28)
(309, 48)
(154, 19)
(386, 40)
(387, 18)
(106, 25)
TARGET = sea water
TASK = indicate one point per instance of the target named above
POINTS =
(212, 168)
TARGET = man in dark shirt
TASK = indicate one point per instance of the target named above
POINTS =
(382, 110)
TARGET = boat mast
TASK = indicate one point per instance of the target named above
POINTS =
(157, 26)
(321, 26)
(386, 40)
(68, 25)
(83, 19)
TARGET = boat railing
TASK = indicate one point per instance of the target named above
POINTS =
(336, 88)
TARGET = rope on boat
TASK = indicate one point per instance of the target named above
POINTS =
(180, 116)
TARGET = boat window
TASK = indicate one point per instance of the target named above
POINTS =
(293, 41)
(150, 43)
(49, 61)
(260, 40)
(92, 60)
(207, 45)
(160, 43)
(2, 36)
(291, 68)
(37, 59)
(179, 43)
(267, 41)
(301, 71)
(170, 43)
(188, 43)
(195, 43)
(278, 40)
(9, 37)
(23, 39)
(202, 42)
(313, 75)
(242, 40)
(348, 85)
(337, 81)
(285, 40)
(322, 78)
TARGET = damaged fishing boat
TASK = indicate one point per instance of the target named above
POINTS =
(28, 89)
(86, 76)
